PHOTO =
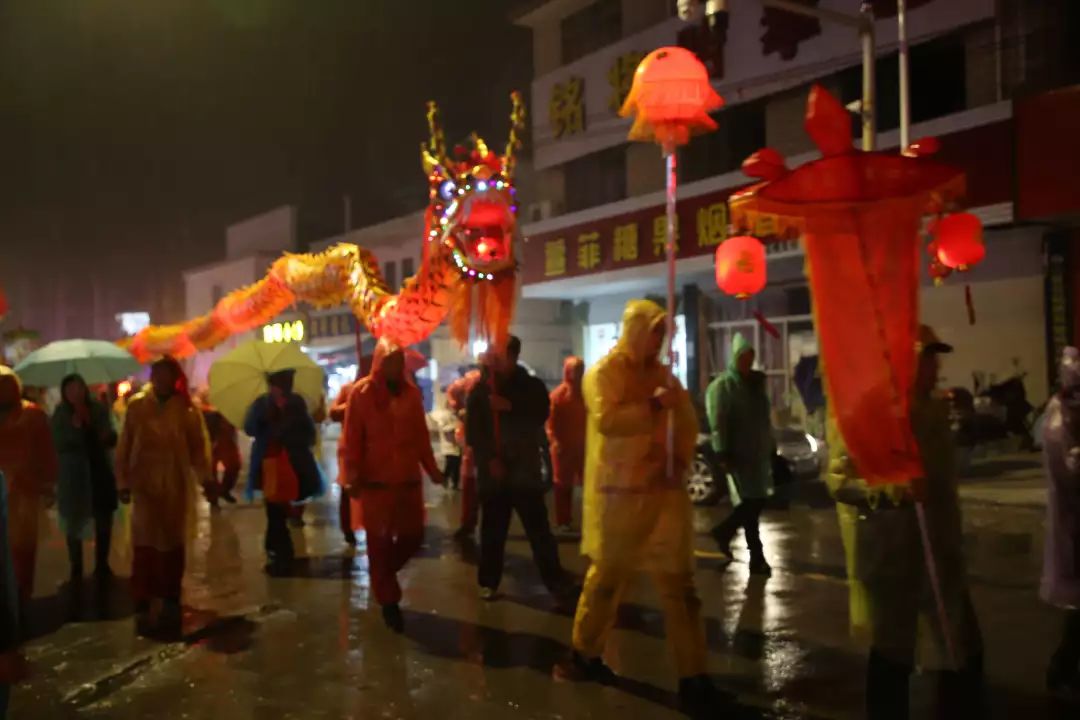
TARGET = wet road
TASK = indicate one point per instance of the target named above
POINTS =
(314, 646)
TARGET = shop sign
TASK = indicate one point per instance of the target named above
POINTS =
(283, 332)
(630, 240)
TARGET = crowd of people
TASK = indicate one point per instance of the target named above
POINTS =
(625, 430)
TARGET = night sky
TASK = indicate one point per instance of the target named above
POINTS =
(133, 131)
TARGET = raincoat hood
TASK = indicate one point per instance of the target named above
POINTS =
(639, 319)
(739, 347)
(384, 349)
(573, 370)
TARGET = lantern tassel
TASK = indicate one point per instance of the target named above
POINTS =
(970, 304)
(766, 325)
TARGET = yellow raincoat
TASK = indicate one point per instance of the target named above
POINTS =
(635, 518)
(163, 458)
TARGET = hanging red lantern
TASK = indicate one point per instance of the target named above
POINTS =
(670, 98)
(740, 266)
(959, 240)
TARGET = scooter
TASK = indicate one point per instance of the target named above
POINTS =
(995, 413)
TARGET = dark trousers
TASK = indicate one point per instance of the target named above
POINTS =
(1065, 663)
(746, 516)
(102, 544)
(496, 510)
(345, 517)
(278, 542)
(452, 471)
(156, 574)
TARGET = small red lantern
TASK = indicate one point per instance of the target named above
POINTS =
(671, 98)
(959, 240)
(740, 266)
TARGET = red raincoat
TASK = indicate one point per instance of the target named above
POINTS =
(566, 435)
(386, 445)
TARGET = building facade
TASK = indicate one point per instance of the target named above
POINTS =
(595, 227)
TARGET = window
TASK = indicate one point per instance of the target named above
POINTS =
(938, 73)
(591, 28)
(407, 269)
(741, 133)
(390, 275)
(596, 179)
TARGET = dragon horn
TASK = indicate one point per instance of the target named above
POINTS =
(433, 151)
(517, 128)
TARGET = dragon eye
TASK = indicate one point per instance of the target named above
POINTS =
(447, 189)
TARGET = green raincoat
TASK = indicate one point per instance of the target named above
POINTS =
(739, 416)
(889, 588)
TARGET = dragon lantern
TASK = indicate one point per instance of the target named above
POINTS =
(467, 263)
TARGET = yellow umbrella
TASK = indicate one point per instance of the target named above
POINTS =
(239, 377)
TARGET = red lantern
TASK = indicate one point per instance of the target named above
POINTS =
(740, 266)
(671, 98)
(959, 239)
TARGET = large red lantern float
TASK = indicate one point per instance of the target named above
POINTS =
(740, 266)
(958, 240)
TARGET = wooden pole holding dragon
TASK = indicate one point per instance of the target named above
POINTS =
(467, 271)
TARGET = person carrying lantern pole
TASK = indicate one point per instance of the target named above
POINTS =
(638, 517)
(891, 582)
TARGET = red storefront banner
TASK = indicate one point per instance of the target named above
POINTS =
(637, 238)
(624, 241)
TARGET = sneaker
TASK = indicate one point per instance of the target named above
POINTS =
(488, 594)
(565, 531)
(393, 618)
(229, 498)
(350, 539)
(583, 669)
(760, 566)
(214, 504)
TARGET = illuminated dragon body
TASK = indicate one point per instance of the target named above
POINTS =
(467, 265)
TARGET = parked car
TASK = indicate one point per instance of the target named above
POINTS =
(802, 454)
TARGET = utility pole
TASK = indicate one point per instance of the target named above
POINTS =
(863, 23)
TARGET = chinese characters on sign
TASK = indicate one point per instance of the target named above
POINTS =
(555, 257)
(566, 110)
(626, 241)
(621, 77)
(588, 251)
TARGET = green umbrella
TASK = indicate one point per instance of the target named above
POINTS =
(98, 361)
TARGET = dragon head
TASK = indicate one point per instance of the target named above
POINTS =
(472, 209)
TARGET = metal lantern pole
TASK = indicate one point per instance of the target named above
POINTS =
(905, 80)
(670, 157)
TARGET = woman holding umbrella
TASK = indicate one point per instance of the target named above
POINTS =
(84, 437)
